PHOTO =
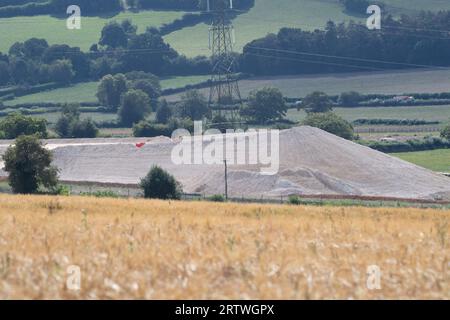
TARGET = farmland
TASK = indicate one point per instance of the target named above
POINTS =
(266, 17)
(156, 250)
(427, 113)
(437, 160)
(85, 92)
(55, 31)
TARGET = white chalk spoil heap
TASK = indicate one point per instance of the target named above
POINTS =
(312, 162)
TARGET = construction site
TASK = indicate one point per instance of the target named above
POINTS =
(311, 162)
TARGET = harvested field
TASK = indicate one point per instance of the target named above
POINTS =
(312, 162)
(385, 82)
(137, 249)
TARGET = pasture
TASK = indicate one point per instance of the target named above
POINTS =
(436, 160)
(138, 249)
(86, 91)
(267, 16)
(54, 29)
(427, 113)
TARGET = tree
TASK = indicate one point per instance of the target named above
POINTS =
(159, 184)
(69, 125)
(113, 35)
(164, 113)
(29, 166)
(134, 107)
(331, 123)
(16, 124)
(5, 77)
(349, 99)
(317, 102)
(150, 86)
(61, 71)
(265, 105)
(445, 133)
(193, 105)
(110, 90)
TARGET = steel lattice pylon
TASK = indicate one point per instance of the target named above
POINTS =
(224, 92)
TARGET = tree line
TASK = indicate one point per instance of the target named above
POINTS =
(407, 42)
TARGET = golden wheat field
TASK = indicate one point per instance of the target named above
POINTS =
(197, 250)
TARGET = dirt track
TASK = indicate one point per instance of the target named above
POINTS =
(311, 162)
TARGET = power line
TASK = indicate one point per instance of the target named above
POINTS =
(348, 58)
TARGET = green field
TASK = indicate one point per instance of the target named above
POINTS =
(386, 82)
(268, 16)
(427, 113)
(436, 160)
(85, 92)
(55, 32)
(52, 117)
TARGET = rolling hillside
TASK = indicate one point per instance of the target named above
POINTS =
(55, 32)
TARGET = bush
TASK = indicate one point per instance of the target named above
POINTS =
(216, 198)
(432, 143)
(29, 166)
(159, 184)
(331, 123)
(265, 105)
(445, 133)
(317, 102)
(69, 125)
(16, 124)
(134, 107)
(295, 200)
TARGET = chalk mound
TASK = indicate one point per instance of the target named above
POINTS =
(311, 162)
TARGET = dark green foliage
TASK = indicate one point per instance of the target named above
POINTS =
(193, 105)
(216, 198)
(350, 99)
(164, 112)
(445, 133)
(16, 124)
(265, 105)
(69, 125)
(317, 102)
(430, 143)
(29, 166)
(110, 91)
(151, 129)
(331, 123)
(159, 184)
(134, 107)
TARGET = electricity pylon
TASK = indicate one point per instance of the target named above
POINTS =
(224, 93)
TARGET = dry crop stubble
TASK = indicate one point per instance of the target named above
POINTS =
(199, 250)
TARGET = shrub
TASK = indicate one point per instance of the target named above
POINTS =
(16, 124)
(295, 200)
(134, 107)
(29, 166)
(317, 102)
(159, 184)
(445, 133)
(216, 198)
(265, 105)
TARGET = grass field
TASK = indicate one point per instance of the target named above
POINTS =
(436, 160)
(55, 32)
(427, 113)
(267, 16)
(387, 82)
(178, 250)
(85, 92)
